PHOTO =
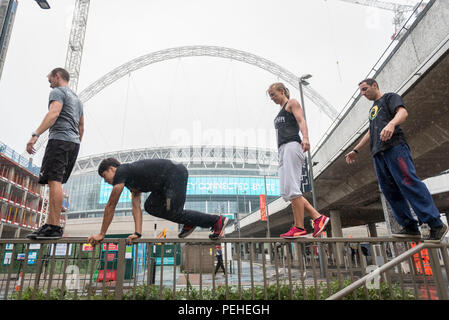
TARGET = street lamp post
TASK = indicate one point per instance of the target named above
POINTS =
(209, 191)
(238, 209)
(43, 4)
(303, 82)
(244, 202)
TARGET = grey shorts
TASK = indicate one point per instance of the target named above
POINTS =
(291, 161)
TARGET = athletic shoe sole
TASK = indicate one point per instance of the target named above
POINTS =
(323, 227)
(216, 237)
(186, 233)
(295, 237)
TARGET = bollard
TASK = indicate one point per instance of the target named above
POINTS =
(19, 281)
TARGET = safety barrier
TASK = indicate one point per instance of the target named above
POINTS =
(267, 269)
(428, 264)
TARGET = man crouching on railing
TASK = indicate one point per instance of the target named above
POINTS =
(167, 182)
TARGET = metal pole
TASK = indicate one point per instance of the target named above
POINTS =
(238, 209)
(310, 172)
(309, 156)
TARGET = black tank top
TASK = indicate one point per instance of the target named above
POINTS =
(287, 128)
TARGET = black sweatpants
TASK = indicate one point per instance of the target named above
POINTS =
(220, 265)
(175, 188)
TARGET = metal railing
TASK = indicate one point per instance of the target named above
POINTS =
(267, 269)
(428, 278)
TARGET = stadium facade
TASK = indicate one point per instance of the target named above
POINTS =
(222, 180)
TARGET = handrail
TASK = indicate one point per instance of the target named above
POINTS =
(386, 267)
(184, 268)
(204, 240)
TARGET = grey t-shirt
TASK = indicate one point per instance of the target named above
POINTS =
(66, 126)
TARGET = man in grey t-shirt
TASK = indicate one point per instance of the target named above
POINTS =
(66, 127)
(65, 122)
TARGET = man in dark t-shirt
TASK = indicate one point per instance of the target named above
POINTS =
(394, 165)
(381, 113)
(167, 182)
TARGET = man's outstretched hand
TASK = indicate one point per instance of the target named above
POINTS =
(131, 238)
(96, 239)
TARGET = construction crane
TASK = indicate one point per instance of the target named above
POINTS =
(398, 9)
(76, 42)
(74, 54)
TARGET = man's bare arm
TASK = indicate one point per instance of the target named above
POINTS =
(362, 142)
(81, 127)
(351, 156)
(137, 211)
(49, 119)
(110, 207)
(399, 118)
(299, 116)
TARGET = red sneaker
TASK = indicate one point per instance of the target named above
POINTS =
(186, 230)
(219, 228)
(319, 225)
(293, 233)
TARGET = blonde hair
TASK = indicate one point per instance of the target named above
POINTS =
(279, 86)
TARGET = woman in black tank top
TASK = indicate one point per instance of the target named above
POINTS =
(289, 121)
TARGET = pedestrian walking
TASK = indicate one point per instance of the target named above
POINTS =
(219, 256)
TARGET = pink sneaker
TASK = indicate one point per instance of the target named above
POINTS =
(319, 225)
(293, 233)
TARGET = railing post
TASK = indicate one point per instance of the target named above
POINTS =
(120, 269)
(438, 275)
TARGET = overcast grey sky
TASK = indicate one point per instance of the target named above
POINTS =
(200, 100)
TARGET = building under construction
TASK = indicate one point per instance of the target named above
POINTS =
(23, 202)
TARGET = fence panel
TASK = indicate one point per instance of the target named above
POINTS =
(268, 269)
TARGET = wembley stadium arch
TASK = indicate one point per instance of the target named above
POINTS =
(200, 51)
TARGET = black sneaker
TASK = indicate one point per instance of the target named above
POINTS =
(407, 233)
(46, 232)
(437, 234)
(186, 230)
(219, 228)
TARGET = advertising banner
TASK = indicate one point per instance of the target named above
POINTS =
(61, 249)
(111, 247)
(87, 247)
(263, 208)
(210, 185)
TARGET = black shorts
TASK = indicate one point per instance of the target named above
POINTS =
(59, 160)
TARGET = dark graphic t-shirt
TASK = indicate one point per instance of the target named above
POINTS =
(145, 175)
(380, 114)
